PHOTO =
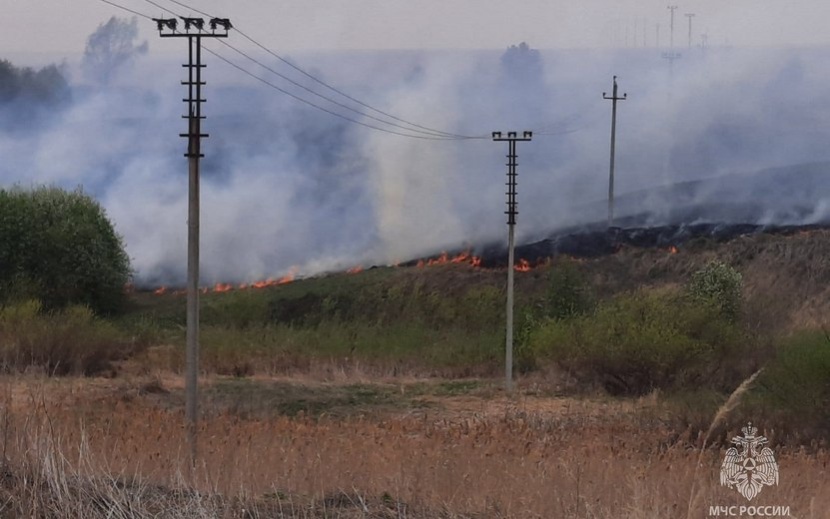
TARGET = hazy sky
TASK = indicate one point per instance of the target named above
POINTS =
(61, 26)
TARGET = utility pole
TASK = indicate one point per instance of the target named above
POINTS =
(690, 16)
(671, 55)
(512, 138)
(194, 31)
(671, 8)
(614, 98)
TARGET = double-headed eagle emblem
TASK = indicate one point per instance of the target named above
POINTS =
(747, 469)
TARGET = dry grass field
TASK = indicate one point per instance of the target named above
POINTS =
(378, 395)
(349, 447)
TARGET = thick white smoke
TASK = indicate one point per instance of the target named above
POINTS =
(285, 186)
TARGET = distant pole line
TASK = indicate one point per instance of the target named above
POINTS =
(614, 98)
(511, 138)
(194, 31)
(671, 55)
(690, 16)
(671, 8)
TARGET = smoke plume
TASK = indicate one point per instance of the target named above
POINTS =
(110, 49)
(286, 187)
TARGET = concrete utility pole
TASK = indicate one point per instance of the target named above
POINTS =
(512, 138)
(671, 8)
(194, 31)
(614, 98)
(690, 16)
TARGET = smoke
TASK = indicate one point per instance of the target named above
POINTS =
(110, 49)
(27, 96)
(288, 187)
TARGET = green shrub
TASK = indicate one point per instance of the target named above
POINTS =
(639, 342)
(527, 322)
(62, 342)
(569, 292)
(719, 285)
(59, 247)
(568, 295)
(793, 392)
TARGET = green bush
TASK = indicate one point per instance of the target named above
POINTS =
(62, 342)
(569, 292)
(793, 392)
(719, 285)
(59, 247)
(568, 295)
(639, 342)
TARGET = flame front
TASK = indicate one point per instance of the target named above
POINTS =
(464, 258)
(523, 266)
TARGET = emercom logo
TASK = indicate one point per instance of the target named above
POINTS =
(747, 469)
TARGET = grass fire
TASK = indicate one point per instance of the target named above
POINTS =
(338, 306)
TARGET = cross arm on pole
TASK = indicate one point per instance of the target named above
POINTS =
(614, 96)
(193, 27)
(512, 136)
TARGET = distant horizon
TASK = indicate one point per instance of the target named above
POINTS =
(434, 24)
(45, 58)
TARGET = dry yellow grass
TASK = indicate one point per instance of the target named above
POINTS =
(84, 448)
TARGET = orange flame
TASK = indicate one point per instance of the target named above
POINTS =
(440, 260)
(672, 250)
(355, 270)
(463, 258)
(523, 266)
(222, 287)
(160, 291)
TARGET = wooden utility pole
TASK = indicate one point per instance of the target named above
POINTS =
(690, 16)
(512, 138)
(614, 98)
(671, 8)
(194, 31)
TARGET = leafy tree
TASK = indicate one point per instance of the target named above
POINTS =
(59, 247)
(719, 285)
(569, 292)
(110, 48)
(29, 96)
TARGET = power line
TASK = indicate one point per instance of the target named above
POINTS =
(426, 136)
(127, 9)
(553, 129)
(326, 85)
(432, 133)
(330, 112)
(194, 10)
(168, 11)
